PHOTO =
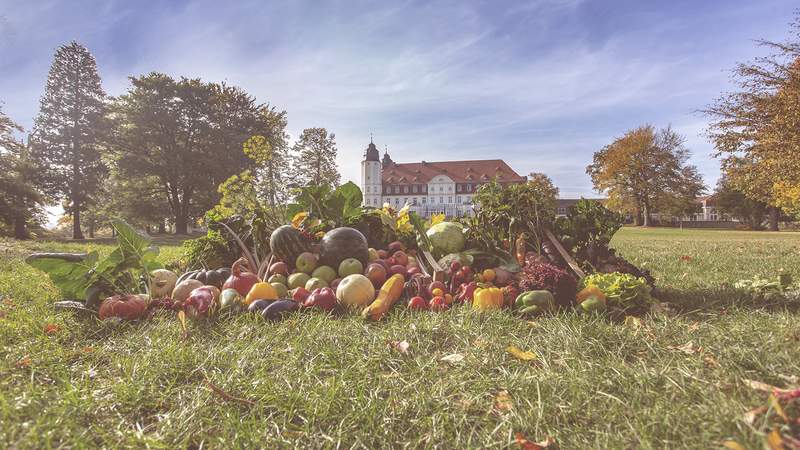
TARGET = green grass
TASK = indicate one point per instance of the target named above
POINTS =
(333, 382)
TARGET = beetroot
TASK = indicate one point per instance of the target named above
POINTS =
(545, 276)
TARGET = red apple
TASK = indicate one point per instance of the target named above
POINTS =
(300, 294)
(400, 258)
(383, 254)
(390, 261)
(396, 246)
(376, 273)
(279, 268)
(412, 271)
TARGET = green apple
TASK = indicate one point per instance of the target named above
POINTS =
(325, 273)
(306, 262)
(373, 255)
(281, 289)
(315, 283)
(278, 278)
(298, 279)
(350, 266)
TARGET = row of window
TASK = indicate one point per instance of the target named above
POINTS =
(425, 200)
(420, 189)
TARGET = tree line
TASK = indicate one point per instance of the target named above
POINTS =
(154, 155)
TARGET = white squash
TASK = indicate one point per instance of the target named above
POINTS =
(162, 282)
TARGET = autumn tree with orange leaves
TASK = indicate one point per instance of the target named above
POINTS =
(646, 171)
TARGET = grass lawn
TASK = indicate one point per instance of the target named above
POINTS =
(314, 381)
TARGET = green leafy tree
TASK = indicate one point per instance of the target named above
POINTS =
(315, 159)
(20, 199)
(646, 171)
(189, 135)
(733, 202)
(759, 124)
(69, 130)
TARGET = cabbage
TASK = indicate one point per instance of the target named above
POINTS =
(622, 290)
(446, 237)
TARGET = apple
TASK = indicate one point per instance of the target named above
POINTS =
(411, 271)
(390, 261)
(383, 263)
(355, 291)
(300, 294)
(350, 266)
(324, 298)
(373, 255)
(325, 273)
(306, 262)
(279, 268)
(315, 283)
(298, 279)
(396, 246)
(383, 254)
(335, 283)
(376, 273)
(397, 268)
(281, 289)
(400, 257)
(278, 278)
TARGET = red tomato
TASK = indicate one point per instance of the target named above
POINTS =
(438, 303)
(417, 303)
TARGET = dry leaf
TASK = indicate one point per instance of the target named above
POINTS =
(87, 350)
(532, 323)
(503, 402)
(710, 361)
(689, 348)
(51, 328)
(776, 405)
(694, 326)
(23, 363)
(525, 444)
(761, 386)
(2, 314)
(774, 440)
(521, 354)
(686, 258)
(750, 416)
(633, 322)
(400, 346)
(453, 358)
(733, 445)
(182, 320)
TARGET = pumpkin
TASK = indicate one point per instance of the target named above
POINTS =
(342, 243)
(125, 307)
(287, 243)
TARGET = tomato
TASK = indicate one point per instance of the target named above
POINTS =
(438, 303)
(417, 303)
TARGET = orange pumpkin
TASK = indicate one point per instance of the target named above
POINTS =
(126, 307)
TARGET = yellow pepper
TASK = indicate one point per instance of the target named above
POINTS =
(487, 299)
(261, 291)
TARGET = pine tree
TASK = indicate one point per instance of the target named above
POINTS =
(315, 159)
(68, 131)
(19, 197)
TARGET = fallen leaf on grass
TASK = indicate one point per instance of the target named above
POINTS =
(225, 395)
(525, 444)
(23, 363)
(8, 302)
(733, 445)
(51, 328)
(454, 358)
(686, 258)
(776, 405)
(521, 354)
(633, 322)
(710, 361)
(400, 346)
(689, 348)
(774, 440)
(503, 402)
(764, 387)
(750, 416)
(182, 320)
(694, 326)
(2, 314)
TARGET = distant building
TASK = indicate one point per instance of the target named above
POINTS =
(429, 187)
(564, 204)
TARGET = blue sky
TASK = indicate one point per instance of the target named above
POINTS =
(541, 84)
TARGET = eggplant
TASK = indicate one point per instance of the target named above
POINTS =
(278, 308)
(258, 306)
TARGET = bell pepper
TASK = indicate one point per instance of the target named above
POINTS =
(487, 299)
(466, 291)
(591, 299)
(535, 302)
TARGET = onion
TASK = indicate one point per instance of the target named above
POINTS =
(240, 280)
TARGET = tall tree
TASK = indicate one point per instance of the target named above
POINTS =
(647, 171)
(20, 198)
(759, 123)
(68, 132)
(315, 158)
(270, 159)
(188, 134)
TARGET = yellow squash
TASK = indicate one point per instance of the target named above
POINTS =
(390, 292)
(261, 291)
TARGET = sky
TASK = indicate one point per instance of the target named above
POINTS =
(540, 84)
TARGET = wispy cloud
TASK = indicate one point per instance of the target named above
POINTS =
(541, 84)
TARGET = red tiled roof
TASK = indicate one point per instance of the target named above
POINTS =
(459, 171)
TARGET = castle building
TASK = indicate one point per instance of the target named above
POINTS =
(429, 187)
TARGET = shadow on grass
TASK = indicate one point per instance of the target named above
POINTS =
(720, 299)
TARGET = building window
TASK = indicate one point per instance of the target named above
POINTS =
(469, 188)
(441, 188)
(458, 188)
(449, 199)
(414, 189)
(449, 188)
(397, 189)
(562, 210)
(458, 199)
(414, 201)
(405, 189)
(441, 199)
(424, 200)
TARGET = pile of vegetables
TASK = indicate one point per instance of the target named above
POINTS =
(621, 292)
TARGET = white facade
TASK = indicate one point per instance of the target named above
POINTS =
(371, 183)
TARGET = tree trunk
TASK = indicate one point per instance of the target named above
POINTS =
(646, 214)
(20, 230)
(637, 217)
(181, 223)
(91, 230)
(774, 216)
(162, 227)
(76, 222)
